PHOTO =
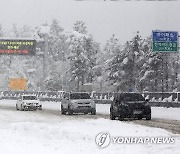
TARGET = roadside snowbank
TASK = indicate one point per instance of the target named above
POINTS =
(25, 135)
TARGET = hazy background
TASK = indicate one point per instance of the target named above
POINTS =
(102, 18)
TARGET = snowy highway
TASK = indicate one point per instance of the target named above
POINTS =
(48, 131)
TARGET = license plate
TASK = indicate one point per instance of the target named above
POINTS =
(137, 112)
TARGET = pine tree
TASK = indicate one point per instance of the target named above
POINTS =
(83, 51)
(158, 71)
(80, 27)
(57, 42)
(57, 57)
(78, 60)
(112, 61)
(91, 49)
(125, 65)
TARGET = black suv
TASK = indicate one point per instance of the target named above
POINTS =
(130, 105)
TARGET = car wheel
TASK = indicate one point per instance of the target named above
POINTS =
(112, 117)
(62, 110)
(21, 108)
(40, 108)
(17, 107)
(120, 118)
(148, 117)
(70, 112)
(93, 112)
(139, 117)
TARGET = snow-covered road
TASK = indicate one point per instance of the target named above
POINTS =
(49, 132)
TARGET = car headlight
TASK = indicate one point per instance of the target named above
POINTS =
(71, 106)
(24, 103)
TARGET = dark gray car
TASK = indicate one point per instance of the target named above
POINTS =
(130, 105)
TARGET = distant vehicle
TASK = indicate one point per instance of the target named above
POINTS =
(77, 103)
(130, 105)
(28, 102)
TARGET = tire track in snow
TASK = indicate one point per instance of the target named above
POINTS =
(167, 124)
(170, 125)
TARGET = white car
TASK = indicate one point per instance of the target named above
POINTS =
(77, 103)
(28, 102)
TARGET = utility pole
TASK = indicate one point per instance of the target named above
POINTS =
(45, 60)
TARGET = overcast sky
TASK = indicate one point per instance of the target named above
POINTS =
(102, 18)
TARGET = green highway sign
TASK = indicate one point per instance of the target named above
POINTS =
(165, 46)
(165, 41)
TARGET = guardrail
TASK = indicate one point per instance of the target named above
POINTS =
(159, 99)
(153, 104)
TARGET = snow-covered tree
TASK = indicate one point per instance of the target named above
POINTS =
(104, 60)
(159, 71)
(78, 59)
(75, 55)
(57, 54)
(80, 27)
(83, 51)
(112, 47)
(91, 49)
(125, 64)
(57, 42)
(151, 72)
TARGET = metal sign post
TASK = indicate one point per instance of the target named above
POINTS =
(165, 42)
(45, 60)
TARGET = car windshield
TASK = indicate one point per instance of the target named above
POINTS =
(29, 98)
(131, 97)
(79, 96)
